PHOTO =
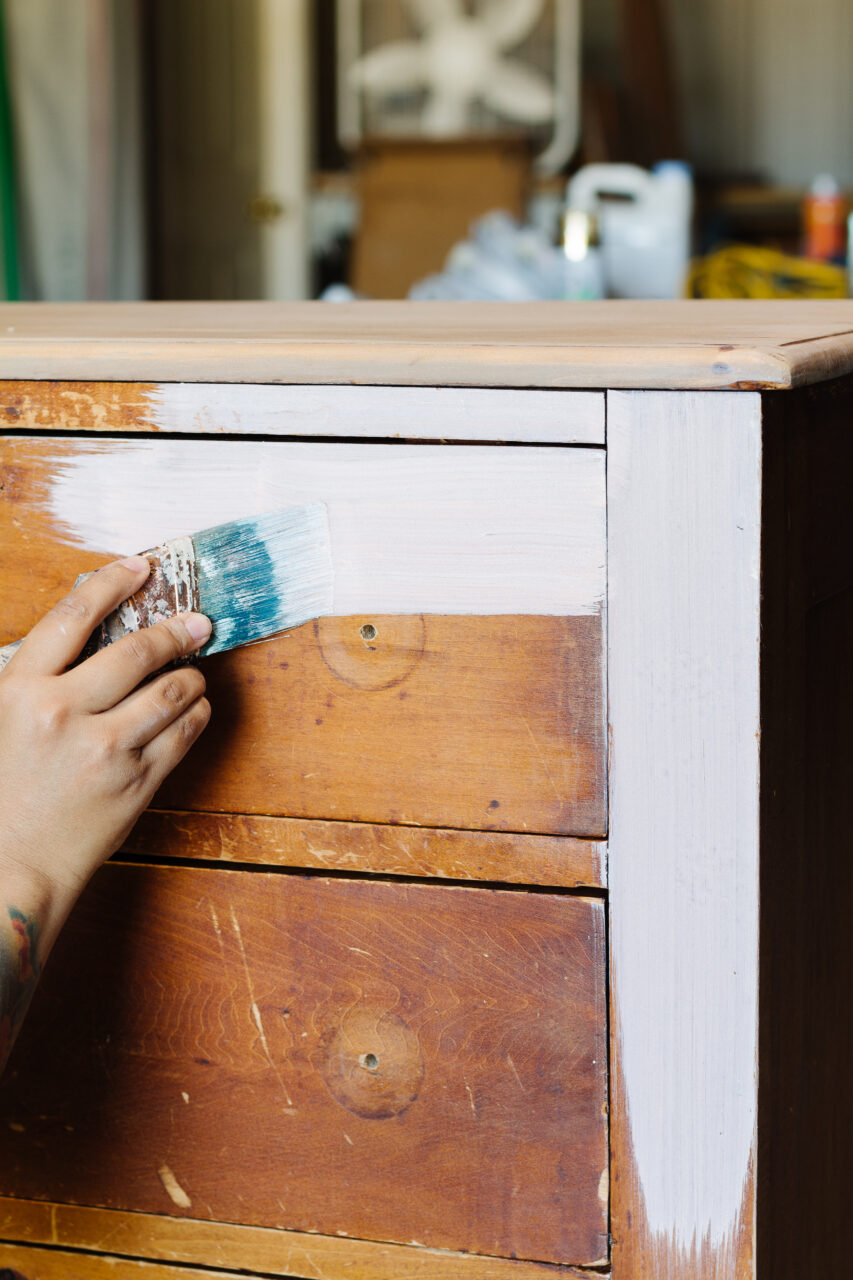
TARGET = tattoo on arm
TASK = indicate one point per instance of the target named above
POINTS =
(19, 973)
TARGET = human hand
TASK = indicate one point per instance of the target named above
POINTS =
(82, 750)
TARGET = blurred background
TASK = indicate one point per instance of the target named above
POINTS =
(224, 149)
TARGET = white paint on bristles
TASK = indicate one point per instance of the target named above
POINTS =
(684, 499)
(263, 575)
(414, 529)
(417, 413)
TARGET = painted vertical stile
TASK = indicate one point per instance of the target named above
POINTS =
(684, 513)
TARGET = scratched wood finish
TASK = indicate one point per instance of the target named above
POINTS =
(559, 861)
(254, 1249)
(290, 1052)
(677, 345)
(493, 723)
(421, 413)
(487, 723)
(24, 1263)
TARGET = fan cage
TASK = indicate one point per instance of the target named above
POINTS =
(552, 47)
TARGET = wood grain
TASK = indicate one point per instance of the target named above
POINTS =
(420, 413)
(684, 511)
(22, 1263)
(251, 1249)
(558, 861)
(323, 1043)
(640, 1249)
(701, 345)
(492, 723)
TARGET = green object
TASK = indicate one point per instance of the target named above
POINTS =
(8, 212)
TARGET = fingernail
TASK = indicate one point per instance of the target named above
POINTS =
(198, 626)
(136, 564)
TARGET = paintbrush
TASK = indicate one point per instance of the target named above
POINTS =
(252, 578)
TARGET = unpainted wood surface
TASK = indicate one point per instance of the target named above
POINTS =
(702, 345)
(805, 1114)
(292, 1052)
(558, 861)
(26, 1264)
(417, 413)
(491, 723)
(484, 723)
(253, 1249)
(684, 509)
(22, 1263)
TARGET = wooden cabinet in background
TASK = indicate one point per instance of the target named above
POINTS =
(498, 926)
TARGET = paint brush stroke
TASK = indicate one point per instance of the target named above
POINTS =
(414, 529)
(683, 613)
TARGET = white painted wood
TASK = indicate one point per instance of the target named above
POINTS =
(414, 528)
(421, 413)
(283, 76)
(684, 497)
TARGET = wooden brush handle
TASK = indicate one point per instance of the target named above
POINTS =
(170, 588)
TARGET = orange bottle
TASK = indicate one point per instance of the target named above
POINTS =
(824, 219)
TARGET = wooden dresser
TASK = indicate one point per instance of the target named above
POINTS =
(499, 926)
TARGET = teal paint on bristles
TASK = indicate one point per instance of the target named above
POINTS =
(253, 578)
(263, 575)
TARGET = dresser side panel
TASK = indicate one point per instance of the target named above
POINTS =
(805, 1113)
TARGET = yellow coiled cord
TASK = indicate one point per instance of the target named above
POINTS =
(747, 271)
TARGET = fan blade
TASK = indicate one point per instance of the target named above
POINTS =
(508, 22)
(428, 14)
(520, 93)
(446, 115)
(394, 66)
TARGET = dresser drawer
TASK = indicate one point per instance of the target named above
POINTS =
(460, 683)
(386, 1061)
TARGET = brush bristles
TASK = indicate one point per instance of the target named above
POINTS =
(263, 575)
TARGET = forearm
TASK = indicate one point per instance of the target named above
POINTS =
(31, 915)
(84, 745)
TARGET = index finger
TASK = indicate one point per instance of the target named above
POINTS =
(111, 674)
(58, 639)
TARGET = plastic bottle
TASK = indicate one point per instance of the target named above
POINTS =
(583, 268)
(824, 219)
(645, 220)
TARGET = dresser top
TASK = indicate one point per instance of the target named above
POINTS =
(669, 345)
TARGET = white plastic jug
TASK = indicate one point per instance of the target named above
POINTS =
(645, 223)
